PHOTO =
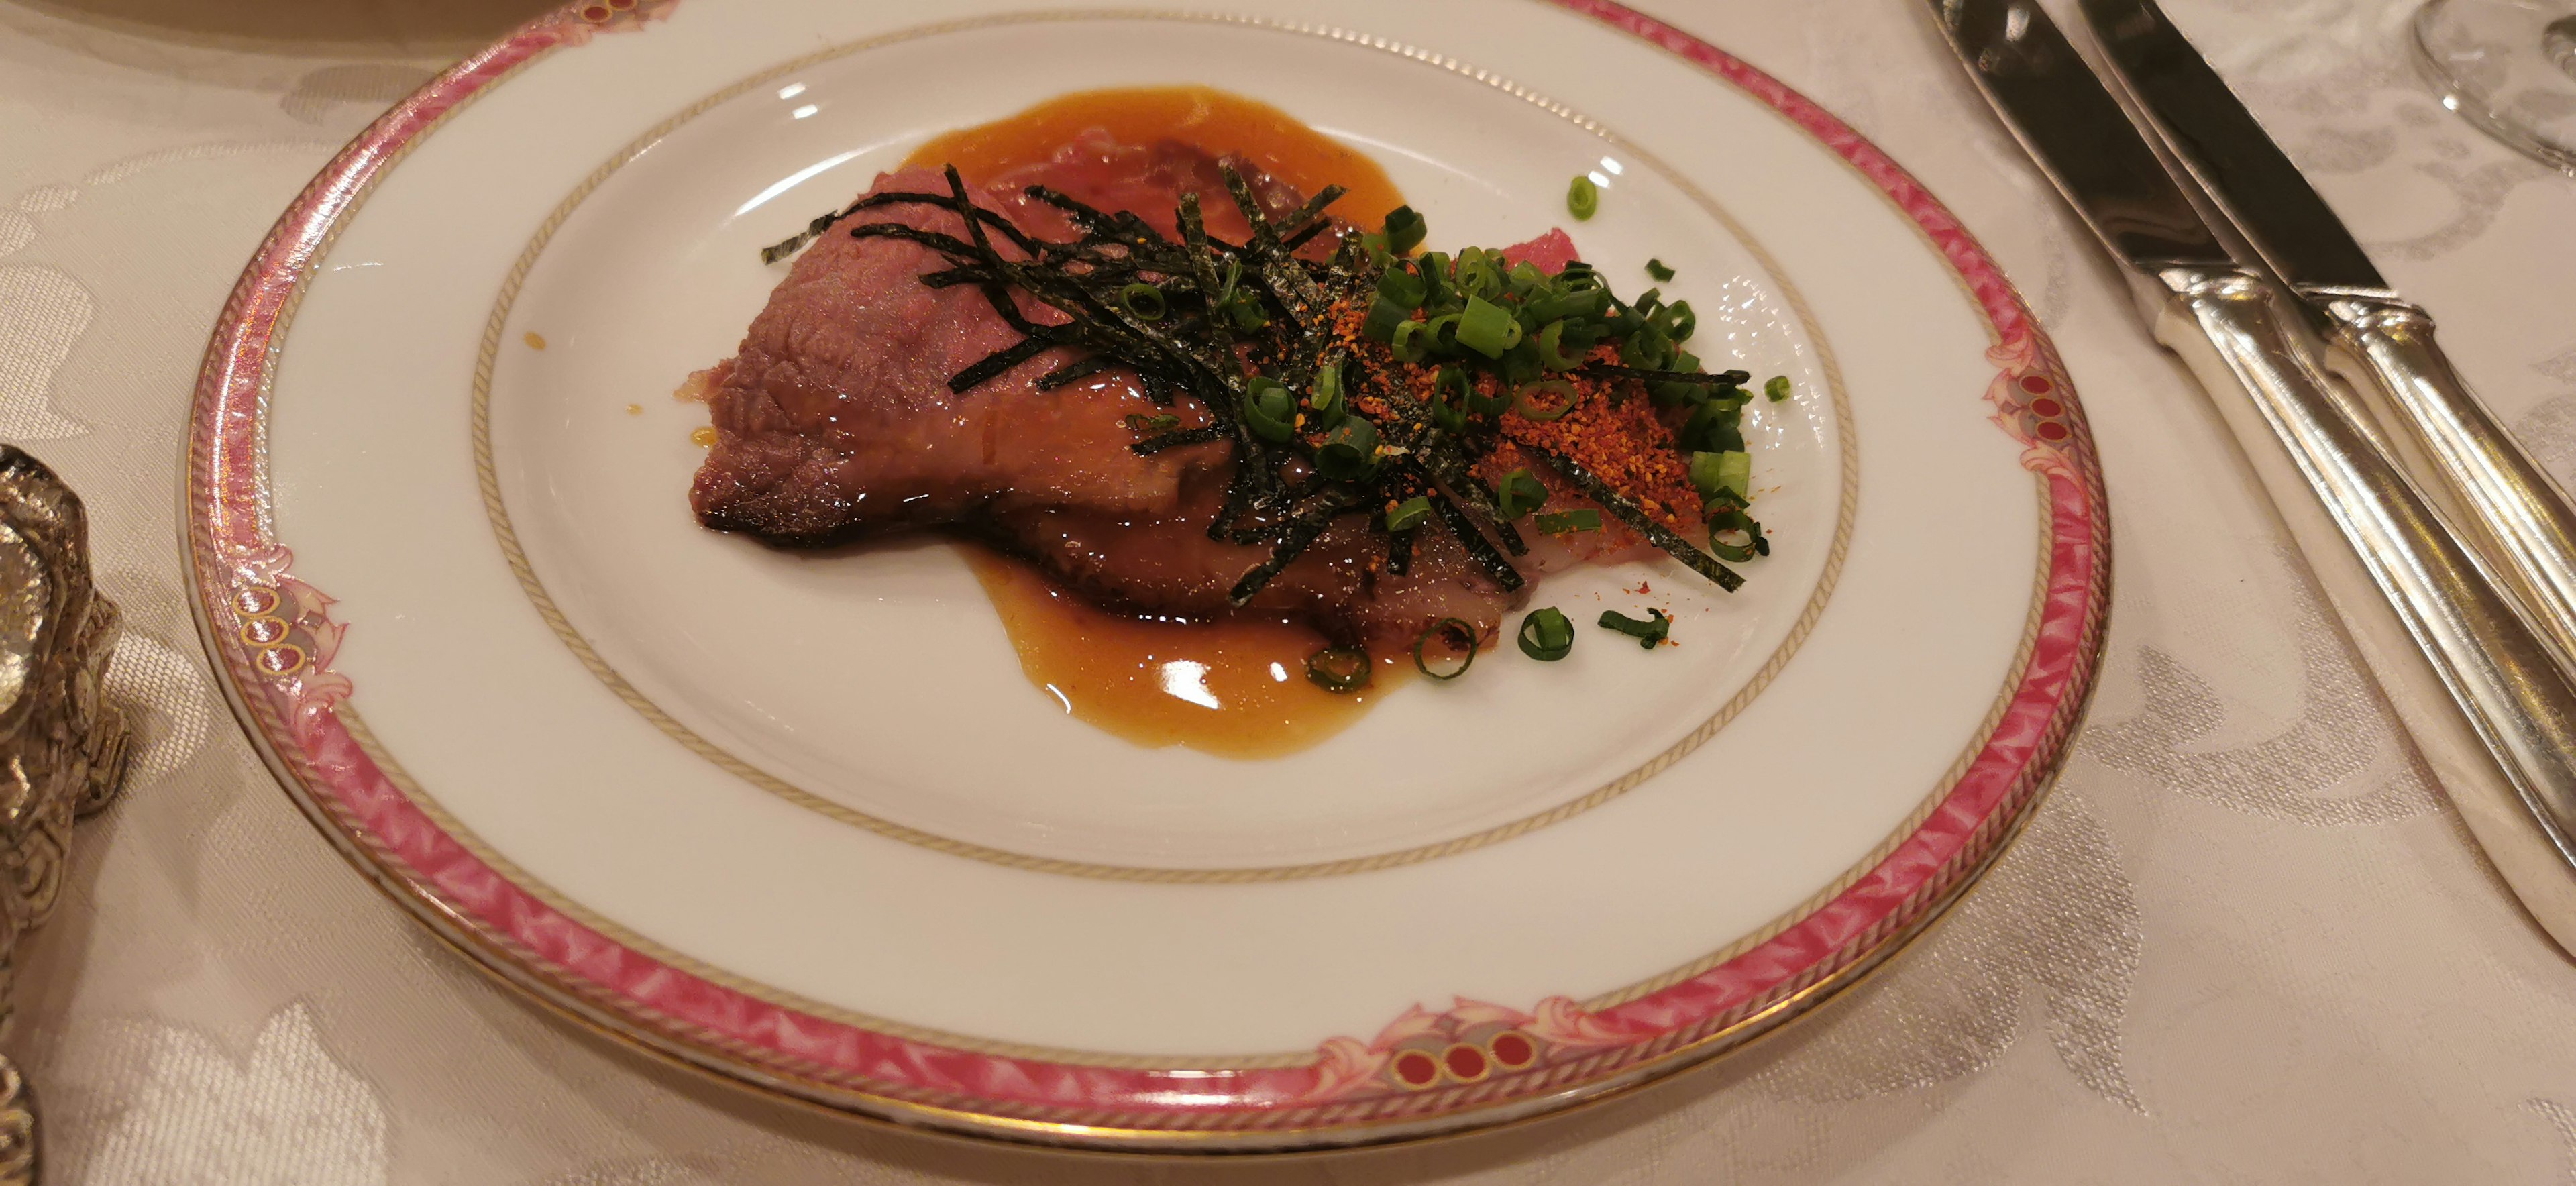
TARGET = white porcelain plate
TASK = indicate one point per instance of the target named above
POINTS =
(800, 820)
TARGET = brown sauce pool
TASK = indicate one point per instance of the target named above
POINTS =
(1213, 120)
(1234, 687)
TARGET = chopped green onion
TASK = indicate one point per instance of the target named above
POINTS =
(1339, 669)
(1659, 270)
(1324, 397)
(1533, 405)
(1519, 493)
(1582, 199)
(1159, 422)
(1777, 388)
(1233, 276)
(1647, 633)
(1401, 285)
(1480, 273)
(1546, 636)
(1715, 473)
(1578, 276)
(1730, 517)
(1449, 390)
(1669, 394)
(1433, 267)
(1713, 428)
(1405, 515)
(1241, 306)
(1477, 401)
(1569, 522)
(1486, 329)
(1385, 318)
(1349, 451)
(1734, 471)
(1551, 349)
(1404, 230)
(1444, 334)
(1269, 409)
(1680, 322)
(1587, 303)
(1408, 342)
(1145, 301)
(1448, 631)
(1647, 347)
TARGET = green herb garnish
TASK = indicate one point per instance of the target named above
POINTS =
(1569, 522)
(1730, 471)
(1145, 301)
(1519, 493)
(1545, 399)
(1647, 633)
(1777, 388)
(1728, 518)
(1582, 199)
(1349, 451)
(1458, 636)
(1486, 329)
(1657, 269)
(1546, 635)
(1404, 230)
(1269, 409)
(1409, 513)
(1339, 669)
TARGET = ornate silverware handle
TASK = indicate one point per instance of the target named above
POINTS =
(2479, 689)
(2521, 519)
(63, 746)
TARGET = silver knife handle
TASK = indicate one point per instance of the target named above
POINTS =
(2522, 518)
(2478, 689)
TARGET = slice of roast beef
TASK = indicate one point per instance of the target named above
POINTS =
(834, 422)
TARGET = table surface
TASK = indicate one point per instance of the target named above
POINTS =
(2246, 939)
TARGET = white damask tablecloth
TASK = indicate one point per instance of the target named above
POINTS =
(2245, 940)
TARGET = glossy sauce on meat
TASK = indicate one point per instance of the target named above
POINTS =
(834, 422)
(1234, 685)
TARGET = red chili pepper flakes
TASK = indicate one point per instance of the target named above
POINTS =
(1611, 429)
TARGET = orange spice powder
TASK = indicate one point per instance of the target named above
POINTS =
(1611, 428)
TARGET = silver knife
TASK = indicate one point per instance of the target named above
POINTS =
(2480, 691)
(2519, 516)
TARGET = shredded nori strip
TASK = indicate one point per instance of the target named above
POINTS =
(1604, 370)
(1075, 371)
(1630, 513)
(1174, 440)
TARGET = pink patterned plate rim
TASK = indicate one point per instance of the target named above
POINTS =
(1630, 970)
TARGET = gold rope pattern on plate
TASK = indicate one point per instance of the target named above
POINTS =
(506, 534)
(312, 258)
(472, 843)
(1922, 811)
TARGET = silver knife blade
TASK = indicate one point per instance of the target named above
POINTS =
(2227, 151)
(2481, 692)
(2073, 127)
(2519, 515)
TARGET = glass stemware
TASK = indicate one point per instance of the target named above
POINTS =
(2508, 66)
